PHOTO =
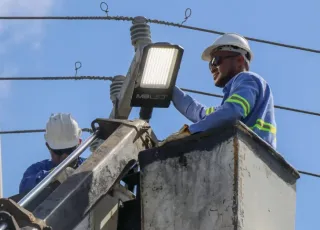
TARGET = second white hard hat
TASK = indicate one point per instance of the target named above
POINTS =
(230, 42)
(62, 131)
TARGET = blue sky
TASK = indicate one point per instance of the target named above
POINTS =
(50, 48)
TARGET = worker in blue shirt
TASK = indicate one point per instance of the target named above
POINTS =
(247, 96)
(62, 136)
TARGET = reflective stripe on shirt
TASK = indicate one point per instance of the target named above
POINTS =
(235, 98)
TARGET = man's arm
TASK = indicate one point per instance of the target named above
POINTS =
(189, 107)
(32, 176)
(239, 104)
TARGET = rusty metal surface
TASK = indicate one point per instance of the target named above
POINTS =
(222, 133)
(217, 180)
(191, 189)
(266, 189)
(57, 170)
(213, 137)
(107, 126)
(249, 135)
(74, 198)
(39, 198)
(235, 187)
(17, 217)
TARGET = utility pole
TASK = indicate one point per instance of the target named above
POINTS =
(121, 97)
(121, 88)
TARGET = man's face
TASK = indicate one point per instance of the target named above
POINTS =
(223, 66)
(56, 159)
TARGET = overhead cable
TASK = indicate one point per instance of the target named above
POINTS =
(276, 106)
(309, 173)
(90, 131)
(154, 21)
(56, 78)
(111, 79)
(35, 131)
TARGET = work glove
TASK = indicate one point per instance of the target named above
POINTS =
(67, 172)
(182, 133)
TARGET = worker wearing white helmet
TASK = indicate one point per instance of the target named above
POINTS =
(63, 135)
(247, 96)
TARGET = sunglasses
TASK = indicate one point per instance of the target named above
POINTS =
(217, 60)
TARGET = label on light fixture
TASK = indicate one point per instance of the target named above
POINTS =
(160, 63)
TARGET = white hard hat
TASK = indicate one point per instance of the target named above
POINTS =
(229, 42)
(62, 131)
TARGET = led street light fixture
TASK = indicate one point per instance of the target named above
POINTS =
(157, 75)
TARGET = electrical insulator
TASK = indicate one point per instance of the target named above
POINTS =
(140, 31)
(115, 87)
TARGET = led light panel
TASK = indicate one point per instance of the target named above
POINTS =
(160, 63)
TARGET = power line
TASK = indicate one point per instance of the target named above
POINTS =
(111, 79)
(57, 78)
(154, 21)
(309, 173)
(276, 106)
(221, 33)
(90, 131)
(35, 131)
(201, 92)
(116, 18)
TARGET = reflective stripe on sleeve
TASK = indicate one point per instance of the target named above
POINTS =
(209, 110)
(262, 125)
(235, 98)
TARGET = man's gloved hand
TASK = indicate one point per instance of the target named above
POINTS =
(182, 133)
(65, 174)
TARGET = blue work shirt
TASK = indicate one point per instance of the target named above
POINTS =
(247, 97)
(36, 172)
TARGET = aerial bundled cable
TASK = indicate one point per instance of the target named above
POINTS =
(90, 131)
(276, 106)
(309, 173)
(104, 78)
(35, 131)
(154, 21)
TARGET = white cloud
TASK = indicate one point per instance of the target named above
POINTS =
(9, 70)
(5, 86)
(16, 32)
(34, 7)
